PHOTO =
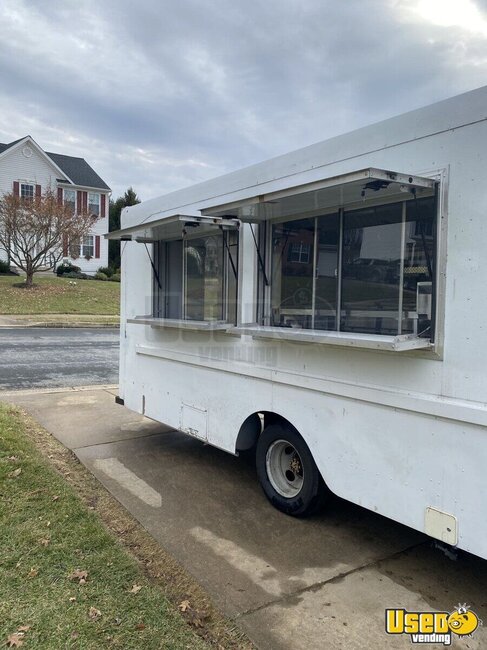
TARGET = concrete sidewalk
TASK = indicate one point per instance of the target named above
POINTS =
(58, 320)
(289, 584)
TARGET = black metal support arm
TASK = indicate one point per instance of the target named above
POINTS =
(259, 256)
(156, 275)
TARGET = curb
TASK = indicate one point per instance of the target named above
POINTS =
(60, 389)
(40, 324)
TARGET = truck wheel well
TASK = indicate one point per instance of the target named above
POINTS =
(253, 426)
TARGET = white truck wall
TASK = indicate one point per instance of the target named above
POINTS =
(133, 302)
(394, 432)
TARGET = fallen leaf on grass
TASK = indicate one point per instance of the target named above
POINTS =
(16, 472)
(55, 498)
(135, 589)
(33, 572)
(72, 599)
(15, 640)
(94, 613)
(44, 541)
(140, 626)
(196, 617)
(79, 575)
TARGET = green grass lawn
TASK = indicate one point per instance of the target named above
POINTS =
(53, 295)
(49, 539)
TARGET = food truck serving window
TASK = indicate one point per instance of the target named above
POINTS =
(367, 270)
(194, 269)
(196, 277)
(346, 260)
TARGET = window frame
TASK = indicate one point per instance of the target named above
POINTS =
(90, 203)
(74, 202)
(84, 246)
(23, 184)
(159, 294)
(301, 251)
(263, 293)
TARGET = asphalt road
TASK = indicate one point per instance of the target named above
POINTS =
(53, 357)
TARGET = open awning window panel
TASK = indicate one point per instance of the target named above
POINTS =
(327, 194)
(173, 227)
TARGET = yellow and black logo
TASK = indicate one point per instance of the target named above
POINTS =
(432, 627)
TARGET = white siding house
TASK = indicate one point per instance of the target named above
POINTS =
(27, 169)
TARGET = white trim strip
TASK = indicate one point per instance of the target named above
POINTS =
(362, 175)
(139, 232)
(399, 343)
(175, 323)
(436, 406)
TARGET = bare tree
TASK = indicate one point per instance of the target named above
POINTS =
(35, 232)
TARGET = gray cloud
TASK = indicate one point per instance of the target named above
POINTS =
(161, 95)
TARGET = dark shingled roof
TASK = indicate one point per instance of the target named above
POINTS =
(3, 147)
(77, 169)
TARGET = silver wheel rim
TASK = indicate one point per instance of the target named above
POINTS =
(284, 469)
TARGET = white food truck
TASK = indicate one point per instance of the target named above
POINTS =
(329, 308)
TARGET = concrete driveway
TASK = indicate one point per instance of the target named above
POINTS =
(290, 584)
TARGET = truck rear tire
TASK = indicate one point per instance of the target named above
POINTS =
(287, 472)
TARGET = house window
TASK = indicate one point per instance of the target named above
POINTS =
(292, 273)
(70, 199)
(197, 278)
(84, 249)
(88, 247)
(368, 270)
(94, 203)
(27, 191)
(299, 253)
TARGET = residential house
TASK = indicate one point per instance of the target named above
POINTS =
(28, 170)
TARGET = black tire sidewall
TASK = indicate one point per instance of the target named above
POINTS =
(309, 497)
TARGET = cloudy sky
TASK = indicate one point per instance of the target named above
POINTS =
(160, 94)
